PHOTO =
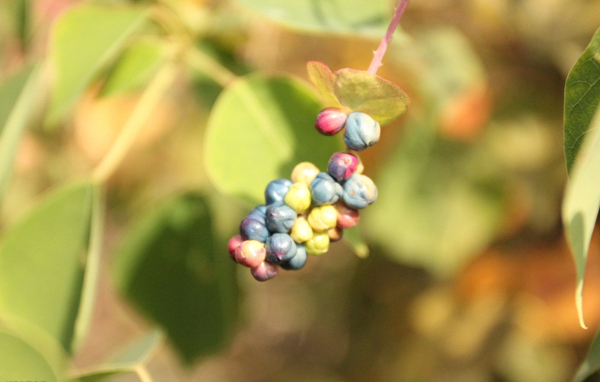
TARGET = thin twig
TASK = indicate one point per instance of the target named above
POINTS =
(210, 67)
(389, 34)
(138, 118)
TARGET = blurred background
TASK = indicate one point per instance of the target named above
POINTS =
(468, 276)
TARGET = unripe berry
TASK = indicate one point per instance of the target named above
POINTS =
(280, 247)
(330, 121)
(325, 190)
(250, 253)
(301, 231)
(359, 191)
(361, 132)
(254, 227)
(346, 217)
(318, 244)
(297, 261)
(298, 197)
(335, 234)
(276, 190)
(264, 271)
(304, 172)
(233, 244)
(280, 217)
(322, 218)
(342, 165)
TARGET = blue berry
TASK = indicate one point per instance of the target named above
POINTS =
(359, 191)
(254, 228)
(259, 211)
(325, 190)
(297, 261)
(280, 217)
(276, 190)
(361, 132)
(280, 248)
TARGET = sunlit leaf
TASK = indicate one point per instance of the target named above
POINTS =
(358, 90)
(134, 68)
(369, 18)
(582, 98)
(84, 41)
(170, 269)
(259, 129)
(20, 361)
(581, 203)
(42, 259)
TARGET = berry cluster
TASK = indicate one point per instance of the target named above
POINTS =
(303, 215)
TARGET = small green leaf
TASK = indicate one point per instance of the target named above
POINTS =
(84, 41)
(368, 18)
(19, 100)
(259, 129)
(582, 97)
(581, 203)
(359, 91)
(134, 357)
(20, 361)
(135, 67)
(170, 269)
(591, 364)
(42, 260)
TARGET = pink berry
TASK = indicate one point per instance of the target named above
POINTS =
(342, 165)
(233, 244)
(347, 217)
(264, 271)
(330, 121)
(250, 253)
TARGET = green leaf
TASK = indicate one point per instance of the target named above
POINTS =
(135, 67)
(170, 269)
(582, 97)
(20, 99)
(259, 129)
(84, 41)
(368, 18)
(42, 260)
(360, 91)
(92, 270)
(20, 361)
(134, 357)
(581, 203)
(591, 364)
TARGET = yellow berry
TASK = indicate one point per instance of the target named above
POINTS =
(301, 230)
(323, 218)
(298, 197)
(318, 244)
(304, 172)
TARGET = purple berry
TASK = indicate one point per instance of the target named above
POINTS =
(325, 190)
(297, 261)
(254, 227)
(280, 217)
(330, 121)
(342, 165)
(359, 191)
(361, 132)
(264, 271)
(280, 248)
(276, 190)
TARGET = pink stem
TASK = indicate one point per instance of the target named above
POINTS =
(380, 52)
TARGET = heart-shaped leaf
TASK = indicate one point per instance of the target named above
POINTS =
(358, 90)
(582, 97)
(259, 129)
